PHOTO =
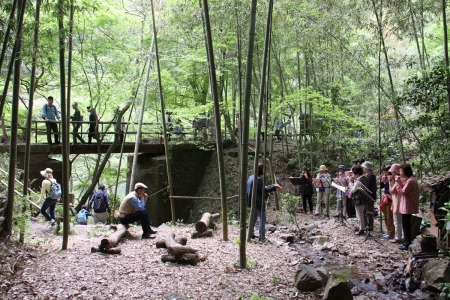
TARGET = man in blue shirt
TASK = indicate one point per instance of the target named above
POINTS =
(51, 116)
(261, 196)
(132, 209)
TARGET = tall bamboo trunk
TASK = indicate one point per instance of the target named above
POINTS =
(7, 34)
(16, 57)
(163, 113)
(444, 23)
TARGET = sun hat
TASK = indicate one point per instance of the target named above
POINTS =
(367, 165)
(323, 168)
(341, 167)
(394, 169)
(46, 172)
(140, 185)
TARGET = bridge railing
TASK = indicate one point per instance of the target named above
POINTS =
(106, 131)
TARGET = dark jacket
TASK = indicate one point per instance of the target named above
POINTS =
(259, 196)
(306, 185)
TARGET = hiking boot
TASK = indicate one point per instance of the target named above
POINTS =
(151, 231)
(147, 236)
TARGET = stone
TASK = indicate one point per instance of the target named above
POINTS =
(435, 273)
(288, 237)
(176, 296)
(307, 279)
(337, 288)
(271, 228)
(311, 227)
(327, 246)
(323, 273)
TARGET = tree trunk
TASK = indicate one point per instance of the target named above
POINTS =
(244, 139)
(182, 240)
(163, 113)
(262, 90)
(113, 239)
(185, 259)
(7, 33)
(107, 251)
(196, 235)
(16, 57)
(205, 221)
(444, 23)
(215, 98)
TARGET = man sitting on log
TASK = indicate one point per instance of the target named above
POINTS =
(132, 209)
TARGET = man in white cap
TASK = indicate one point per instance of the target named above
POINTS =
(49, 203)
(132, 209)
(372, 186)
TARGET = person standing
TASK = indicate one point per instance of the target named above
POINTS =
(386, 204)
(372, 186)
(132, 209)
(341, 197)
(408, 188)
(290, 129)
(76, 119)
(261, 196)
(49, 202)
(51, 116)
(100, 204)
(306, 189)
(397, 216)
(92, 124)
(323, 190)
(278, 127)
(360, 198)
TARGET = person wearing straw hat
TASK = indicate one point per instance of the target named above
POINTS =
(372, 186)
(323, 192)
(49, 203)
(132, 209)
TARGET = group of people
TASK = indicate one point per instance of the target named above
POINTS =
(356, 188)
(131, 209)
(51, 116)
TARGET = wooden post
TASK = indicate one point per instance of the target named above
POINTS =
(205, 221)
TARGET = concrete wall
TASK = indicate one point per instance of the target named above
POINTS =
(188, 164)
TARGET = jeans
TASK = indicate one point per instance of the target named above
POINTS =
(50, 204)
(140, 215)
(261, 215)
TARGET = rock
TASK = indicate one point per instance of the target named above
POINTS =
(323, 273)
(311, 227)
(175, 296)
(308, 279)
(271, 228)
(288, 237)
(424, 243)
(337, 289)
(320, 239)
(436, 272)
(327, 246)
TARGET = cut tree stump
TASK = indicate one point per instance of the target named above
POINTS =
(180, 240)
(175, 248)
(196, 235)
(115, 250)
(205, 221)
(187, 258)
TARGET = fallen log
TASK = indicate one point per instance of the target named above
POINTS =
(175, 248)
(180, 240)
(205, 221)
(113, 238)
(114, 250)
(196, 235)
(187, 258)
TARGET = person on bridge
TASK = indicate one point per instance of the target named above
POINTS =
(92, 125)
(51, 116)
(76, 118)
(132, 209)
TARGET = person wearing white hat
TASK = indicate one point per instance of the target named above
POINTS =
(323, 192)
(49, 204)
(341, 198)
(372, 186)
(395, 171)
(132, 209)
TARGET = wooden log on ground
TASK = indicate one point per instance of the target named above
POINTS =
(186, 259)
(205, 221)
(180, 240)
(113, 238)
(175, 248)
(196, 235)
(114, 250)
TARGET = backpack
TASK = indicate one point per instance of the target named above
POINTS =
(81, 216)
(55, 191)
(99, 204)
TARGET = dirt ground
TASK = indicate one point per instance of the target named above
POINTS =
(138, 273)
